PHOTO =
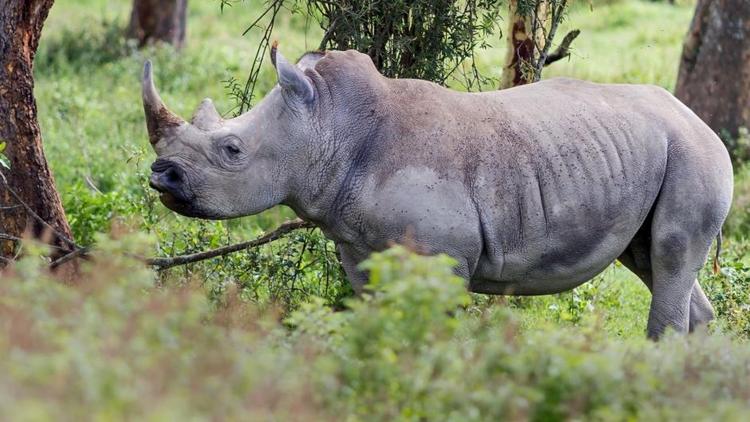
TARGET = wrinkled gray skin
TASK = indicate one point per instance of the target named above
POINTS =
(534, 189)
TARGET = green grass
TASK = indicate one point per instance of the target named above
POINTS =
(243, 336)
(95, 140)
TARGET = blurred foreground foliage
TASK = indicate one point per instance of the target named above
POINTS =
(118, 346)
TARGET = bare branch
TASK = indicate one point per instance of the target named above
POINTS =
(289, 226)
(563, 50)
(78, 253)
(4, 236)
(168, 262)
(556, 18)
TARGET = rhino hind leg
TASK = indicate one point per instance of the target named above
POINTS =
(637, 258)
(691, 207)
(701, 311)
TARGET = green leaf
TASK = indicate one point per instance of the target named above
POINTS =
(4, 162)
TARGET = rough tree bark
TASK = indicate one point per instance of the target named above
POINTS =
(530, 36)
(714, 76)
(29, 180)
(521, 48)
(158, 20)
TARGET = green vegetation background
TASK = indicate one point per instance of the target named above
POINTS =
(206, 340)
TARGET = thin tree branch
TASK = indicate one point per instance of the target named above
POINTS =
(78, 253)
(4, 236)
(328, 35)
(557, 15)
(563, 50)
(289, 226)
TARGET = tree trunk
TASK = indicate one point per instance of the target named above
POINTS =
(158, 20)
(29, 179)
(524, 44)
(714, 76)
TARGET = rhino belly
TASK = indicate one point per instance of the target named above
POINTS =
(555, 262)
(550, 237)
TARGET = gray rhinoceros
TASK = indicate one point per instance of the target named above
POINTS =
(534, 189)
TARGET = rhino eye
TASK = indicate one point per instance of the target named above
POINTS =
(232, 150)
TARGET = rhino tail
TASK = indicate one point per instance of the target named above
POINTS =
(717, 267)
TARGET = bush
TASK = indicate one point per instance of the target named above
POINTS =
(115, 347)
(729, 291)
(411, 353)
(424, 39)
(738, 146)
(738, 222)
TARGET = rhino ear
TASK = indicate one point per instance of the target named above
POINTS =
(291, 78)
(206, 117)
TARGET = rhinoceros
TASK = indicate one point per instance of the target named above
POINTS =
(533, 190)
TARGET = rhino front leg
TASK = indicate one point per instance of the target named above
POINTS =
(350, 258)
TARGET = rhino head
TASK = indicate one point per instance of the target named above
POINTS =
(218, 168)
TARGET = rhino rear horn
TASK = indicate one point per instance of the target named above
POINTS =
(206, 117)
(159, 119)
(291, 78)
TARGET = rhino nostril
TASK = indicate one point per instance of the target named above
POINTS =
(161, 165)
(172, 176)
(166, 176)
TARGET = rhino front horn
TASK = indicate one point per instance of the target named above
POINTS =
(159, 120)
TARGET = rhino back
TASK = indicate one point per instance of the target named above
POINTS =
(560, 173)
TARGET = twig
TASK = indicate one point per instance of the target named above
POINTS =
(556, 18)
(564, 49)
(4, 236)
(168, 262)
(328, 34)
(78, 253)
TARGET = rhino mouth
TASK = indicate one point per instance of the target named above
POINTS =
(186, 208)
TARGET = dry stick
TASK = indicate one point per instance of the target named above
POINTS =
(557, 13)
(289, 226)
(168, 262)
(161, 263)
(78, 253)
(4, 236)
(564, 49)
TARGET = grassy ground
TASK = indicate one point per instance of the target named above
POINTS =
(127, 349)
(88, 93)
